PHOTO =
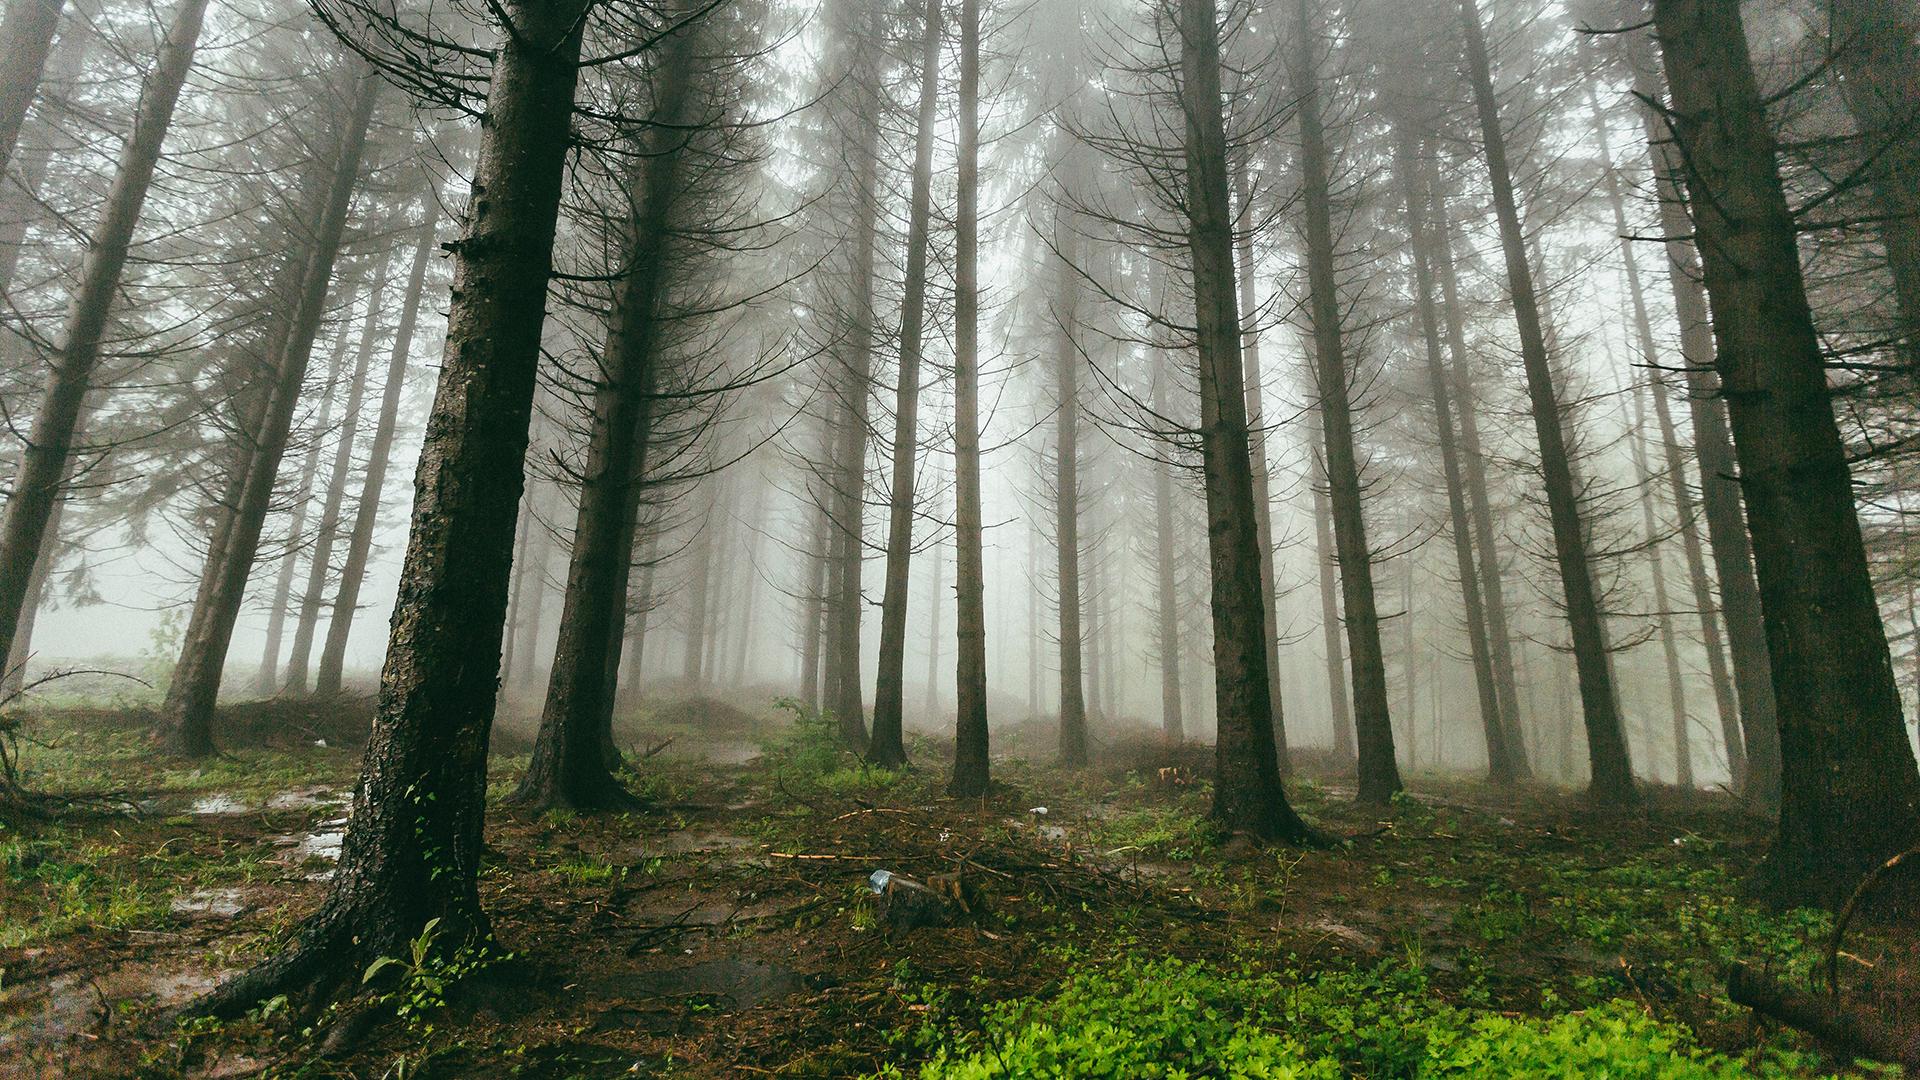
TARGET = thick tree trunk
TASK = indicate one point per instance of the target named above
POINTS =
(1850, 793)
(1247, 794)
(280, 603)
(366, 513)
(1713, 445)
(26, 38)
(1066, 495)
(1257, 443)
(327, 530)
(1612, 780)
(411, 856)
(45, 462)
(1499, 757)
(1473, 461)
(187, 715)
(1379, 774)
(570, 765)
(884, 747)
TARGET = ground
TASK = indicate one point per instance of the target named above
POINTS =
(732, 929)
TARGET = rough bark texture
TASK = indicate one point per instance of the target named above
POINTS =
(1873, 50)
(570, 767)
(187, 715)
(1612, 773)
(1379, 774)
(1713, 446)
(970, 768)
(45, 461)
(1499, 758)
(1246, 794)
(1850, 793)
(413, 844)
(366, 513)
(884, 746)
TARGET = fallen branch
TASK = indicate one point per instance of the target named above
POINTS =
(1849, 1029)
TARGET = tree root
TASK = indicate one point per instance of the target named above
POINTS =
(1849, 1029)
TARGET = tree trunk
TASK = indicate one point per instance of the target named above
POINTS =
(1257, 444)
(570, 766)
(970, 764)
(280, 604)
(1713, 445)
(1663, 610)
(26, 37)
(693, 665)
(44, 463)
(366, 514)
(1379, 775)
(411, 857)
(1850, 793)
(1247, 794)
(1612, 781)
(1066, 494)
(813, 602)
(1167, 600)
(1675, 469)
(1499, 758)
(884, 747)
(1873, 49)
(857, 115)
(327, 532)
(1473, 461)
(1331, 628)
(187, 715)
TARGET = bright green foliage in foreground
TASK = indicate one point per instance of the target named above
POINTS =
(1173, 1019)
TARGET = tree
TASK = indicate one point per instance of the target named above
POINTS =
(45, 462)
(884, 748)
(1379, 775)
(26, 38)
(1850, 791)
(1247, 794)
(187, 714)
(410, 860)
(1612, 773)
(1066, 492)
(970, 775)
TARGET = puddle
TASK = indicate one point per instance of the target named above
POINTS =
(323, 843)
(208, 904)
(39, 1017)
(217, 803)
(729, 983)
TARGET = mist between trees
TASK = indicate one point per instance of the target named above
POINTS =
(1521, 390)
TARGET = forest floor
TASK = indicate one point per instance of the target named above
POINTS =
(730, 931)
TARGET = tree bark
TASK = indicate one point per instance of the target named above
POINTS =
(366, 513)
(884, 746)
(327, 530)
(1499, 757)
(45, 461)
(1612, 773)
(1257, 443)
(26, 38)
(1379, 774)
(570, 766)
(187, 715)
(1662, 606)
(1850, 792)
(411, 855)
(1247, 794)
(1066, 495)
(1713, 445)
(970, 764)
(1167, 597)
